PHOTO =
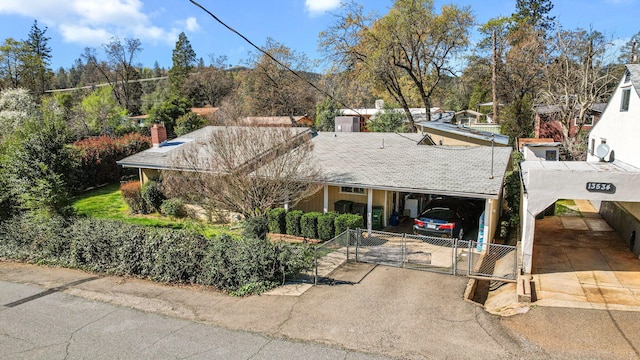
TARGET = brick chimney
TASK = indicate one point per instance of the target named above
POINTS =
(158, 134)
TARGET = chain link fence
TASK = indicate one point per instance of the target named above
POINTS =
(441, 255)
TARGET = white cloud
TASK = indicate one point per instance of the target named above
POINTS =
(317, 7)
(192, 24)
(94, 22)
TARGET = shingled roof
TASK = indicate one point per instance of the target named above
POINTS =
(391, 161)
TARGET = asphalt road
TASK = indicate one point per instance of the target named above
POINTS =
(40, 324)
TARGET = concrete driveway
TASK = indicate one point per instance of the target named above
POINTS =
(580, 262)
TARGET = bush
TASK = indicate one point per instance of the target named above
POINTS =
(326, 226)
(293, 222)
(97, 156)
(309, 225)
(277, 220)
(256, 227)
(348, 221)
(173, 207)
(152, 195)
(241, 266)
(132, 194)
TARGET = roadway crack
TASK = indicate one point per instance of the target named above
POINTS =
(167, 335)
(76, 331)
(288, 314)
(261, 348)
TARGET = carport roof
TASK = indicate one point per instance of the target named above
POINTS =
(391, 161)
(576, 166)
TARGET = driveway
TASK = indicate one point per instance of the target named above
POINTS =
(581, 262)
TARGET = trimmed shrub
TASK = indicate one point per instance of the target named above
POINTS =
(348, 221)
(152, 195)
(173, 207)
(132, 194)
(277, 220)
(97, 158)
(293, 222)
(309, 225)
(326, 226)
(256, 227)
(240, 267)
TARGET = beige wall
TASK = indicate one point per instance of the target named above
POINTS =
(147, 174)
(449, 141)
(493, 217)
(632, 208)
(316, 201)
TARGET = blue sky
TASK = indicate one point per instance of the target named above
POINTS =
(76, 24)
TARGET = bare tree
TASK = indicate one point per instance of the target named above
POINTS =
(578, 75)
(245, 170)
(120, 71)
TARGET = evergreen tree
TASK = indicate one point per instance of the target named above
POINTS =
(184, 59)
(535, 13)
(36, 71)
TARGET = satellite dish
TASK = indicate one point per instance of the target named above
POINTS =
(602, 150)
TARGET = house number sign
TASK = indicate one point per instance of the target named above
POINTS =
(608, 188)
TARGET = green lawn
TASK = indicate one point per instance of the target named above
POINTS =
(107, 203)
(567, 208)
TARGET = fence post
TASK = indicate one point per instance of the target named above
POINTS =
(358, 234)
(515, 262)
(455, 256)
(315, 257)
(403, 247)
(348, 243)
(469, 257)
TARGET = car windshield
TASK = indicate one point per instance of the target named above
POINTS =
(438, 214)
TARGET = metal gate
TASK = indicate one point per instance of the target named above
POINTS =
(442, 255)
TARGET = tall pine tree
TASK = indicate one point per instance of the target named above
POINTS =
(184, 59)
(36, 62)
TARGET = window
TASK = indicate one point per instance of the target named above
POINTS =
(624, 104)
(588, 121)
(353, 190)
(627, 76)
(551, 155)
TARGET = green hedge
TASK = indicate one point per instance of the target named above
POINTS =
(256, 227)
(348, 221)
(326, 226)
(293, 222)
(277, 221)
(239, 266)
(309, 225)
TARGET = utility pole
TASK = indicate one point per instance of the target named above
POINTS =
(633, 53)
(494, 80)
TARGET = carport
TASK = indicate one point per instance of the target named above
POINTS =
(545, 182)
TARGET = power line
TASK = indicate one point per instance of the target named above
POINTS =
(105, 84)
(273, 58)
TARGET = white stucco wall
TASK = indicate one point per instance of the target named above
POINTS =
(619, 128)
(545, 182)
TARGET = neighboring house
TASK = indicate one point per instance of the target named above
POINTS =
(278, 121)
(468, 117)
(207, 112)
(543, 149)
(619, 129)
(547, 125)
(377, 172)
(609, 178)
(418, 114)
(440, 133)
